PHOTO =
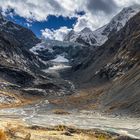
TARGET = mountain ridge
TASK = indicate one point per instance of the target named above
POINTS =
(100, 36)
(113, 71)
(18, 32)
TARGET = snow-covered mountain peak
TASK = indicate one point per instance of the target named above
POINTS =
(122, 18)
(85, 30)
(101, 35)
(71, 36)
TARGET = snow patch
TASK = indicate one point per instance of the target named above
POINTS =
(56, 67)
(60, 59)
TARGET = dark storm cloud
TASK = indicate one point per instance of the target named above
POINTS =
(106, 6)
(56, 5)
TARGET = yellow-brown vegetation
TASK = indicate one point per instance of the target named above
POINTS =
(60, 112)
(3, 135)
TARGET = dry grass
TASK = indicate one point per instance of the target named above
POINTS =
(18, 131)
(84, 99)
(60, 112)
(19, 99)
(3, 135)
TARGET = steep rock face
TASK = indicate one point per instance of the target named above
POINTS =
(15, 60)
(23, 35)
(21, 72)
(124, 94)
(18, 66)
(116, 66)
(101, 35)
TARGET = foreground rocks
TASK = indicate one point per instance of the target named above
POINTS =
(16, 130)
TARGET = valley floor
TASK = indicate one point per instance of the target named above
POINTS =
(45, 121)
(63, 118)
(16, 129)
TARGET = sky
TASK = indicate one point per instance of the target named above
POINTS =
(53, 19)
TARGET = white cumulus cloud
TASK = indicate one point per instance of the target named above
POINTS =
(37, 10)
(55, 34)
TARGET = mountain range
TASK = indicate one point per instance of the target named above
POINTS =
(90, 76)
(101, 35)
(105, 62)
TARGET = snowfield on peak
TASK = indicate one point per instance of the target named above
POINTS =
(101, 35)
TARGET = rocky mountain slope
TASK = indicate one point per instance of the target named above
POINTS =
(101, 35)
(110, 72)
(20, 70)
(22, 35)
(113, 69)
(14, 45)
(107, 80)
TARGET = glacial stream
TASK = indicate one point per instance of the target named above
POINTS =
(40, 114)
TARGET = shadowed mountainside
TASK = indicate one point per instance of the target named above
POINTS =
(114, 68)
(20, 70)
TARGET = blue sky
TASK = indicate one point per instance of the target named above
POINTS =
(52, 22)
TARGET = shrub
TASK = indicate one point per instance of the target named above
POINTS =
(3, 135)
